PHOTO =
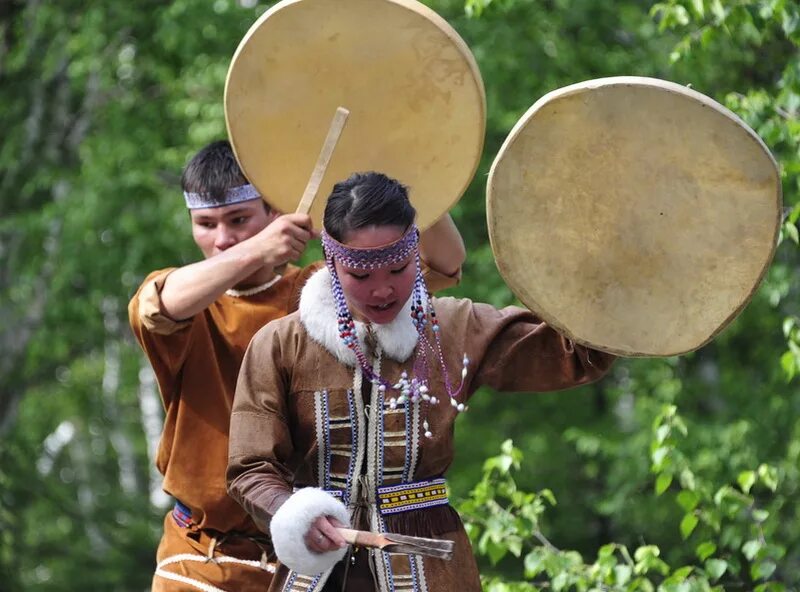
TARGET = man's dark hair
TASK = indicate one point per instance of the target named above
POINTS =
(212, 171)
(367, 199)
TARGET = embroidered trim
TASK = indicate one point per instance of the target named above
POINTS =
(304, 583)
(360, 435)
(354, 431)
(337, 493)
(393, 499)
(290, 581)
(418, 569)
(323, 439)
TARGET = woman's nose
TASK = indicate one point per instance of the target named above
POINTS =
(383, 292)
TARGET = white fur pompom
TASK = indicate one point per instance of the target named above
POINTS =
(291, 523)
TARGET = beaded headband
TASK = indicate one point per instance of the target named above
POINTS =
(195, 201)
(417, 387)
(372, 258)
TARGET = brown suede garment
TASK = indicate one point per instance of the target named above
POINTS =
(276, 420)
(196, 363)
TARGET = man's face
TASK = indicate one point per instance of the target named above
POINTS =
(217, 229)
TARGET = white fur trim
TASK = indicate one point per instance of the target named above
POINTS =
(318, 315)
(291, 523)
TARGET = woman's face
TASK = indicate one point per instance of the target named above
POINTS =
(377, 295)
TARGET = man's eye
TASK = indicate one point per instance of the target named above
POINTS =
(400, 270)
(239, 220)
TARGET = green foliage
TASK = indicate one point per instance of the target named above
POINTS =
(503, 520)
(103, 103)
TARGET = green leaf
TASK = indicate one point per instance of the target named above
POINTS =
(681, 15)
(769, 476)
(763, 569)
(496, 551)
(560, 582)
(688, 500)
(663, 482)
(622, 574)
(514, 546)
(682, 573)
(715, 568)
(534, 563)
(607, 550)
(646, 552)
(548, 495)
(794, 215)
(687, 479)
(790, 22)
(688, 525)
(705, 550)
(718, 10)
(789, 323)
(789, 365)
(746, 480)
(751, 548)
(698, 7)
(659, 454)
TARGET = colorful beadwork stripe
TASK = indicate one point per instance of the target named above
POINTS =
(393, 499)
(182, 515)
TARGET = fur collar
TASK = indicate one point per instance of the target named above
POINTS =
(318, 315)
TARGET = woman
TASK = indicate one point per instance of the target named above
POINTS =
(350, 402)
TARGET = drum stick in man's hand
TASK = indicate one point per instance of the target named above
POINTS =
(334, 131)
(324, 158)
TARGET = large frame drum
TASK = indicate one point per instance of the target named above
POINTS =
(413, 89)
(635, 215)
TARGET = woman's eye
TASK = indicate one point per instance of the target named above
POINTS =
(208, 225)
(358, 276)
(400, 270)
(239, 220)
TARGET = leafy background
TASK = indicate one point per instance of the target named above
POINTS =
(671, 474)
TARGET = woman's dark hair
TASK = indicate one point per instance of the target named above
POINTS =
(367, 199)
(212, 171)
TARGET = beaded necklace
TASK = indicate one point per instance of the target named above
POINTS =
(416, 387)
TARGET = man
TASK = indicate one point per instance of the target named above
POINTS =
(194, 324)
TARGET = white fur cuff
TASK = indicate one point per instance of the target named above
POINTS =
(291, 523)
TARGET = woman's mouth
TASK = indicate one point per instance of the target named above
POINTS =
(382, 307)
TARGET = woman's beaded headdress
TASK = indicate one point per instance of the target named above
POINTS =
(417, 387)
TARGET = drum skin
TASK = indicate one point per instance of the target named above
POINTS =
(413, 89)
(635, 215)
